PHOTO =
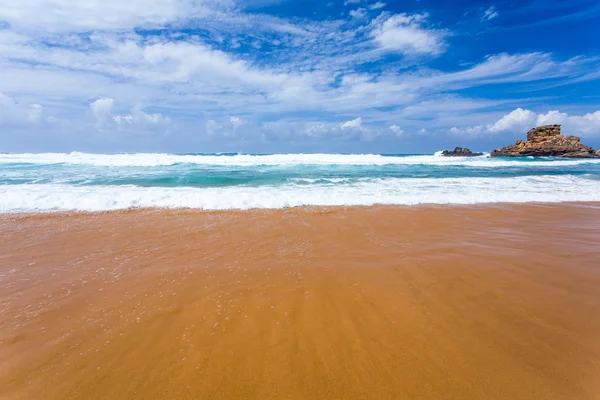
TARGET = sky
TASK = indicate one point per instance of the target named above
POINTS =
(283, 76)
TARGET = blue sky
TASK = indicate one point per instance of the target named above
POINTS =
(267, 76)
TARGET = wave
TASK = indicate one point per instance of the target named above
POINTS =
(156, 160)
(391, 191)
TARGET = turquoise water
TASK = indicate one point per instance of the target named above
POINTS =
(48, 182)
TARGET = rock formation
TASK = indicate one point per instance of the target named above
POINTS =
(460, 152)
(547, 141)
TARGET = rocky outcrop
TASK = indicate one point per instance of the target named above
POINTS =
(460, 152)
(547, 141)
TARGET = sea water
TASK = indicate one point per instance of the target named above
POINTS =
(97, 182)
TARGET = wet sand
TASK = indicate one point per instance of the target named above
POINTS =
(485, 302)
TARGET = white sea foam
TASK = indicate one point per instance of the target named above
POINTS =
(56, 197)
(151, 160)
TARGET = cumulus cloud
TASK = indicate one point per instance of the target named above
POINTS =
(377, 6)
(396, 129)
(522, 120)
(187, 73)
(102, 110)
(490, 13)
(358, 13)
(353, 124)
(584, 125)
(407, 34)
(518, 119)
(61, 53)
(556, 118)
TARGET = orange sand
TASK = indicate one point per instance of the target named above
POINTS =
(487, 302)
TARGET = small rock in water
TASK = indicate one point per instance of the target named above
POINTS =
(460, 152)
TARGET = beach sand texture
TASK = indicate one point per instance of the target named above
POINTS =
(478, 302)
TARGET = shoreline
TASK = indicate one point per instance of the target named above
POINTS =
(497, 302)
(314, 208)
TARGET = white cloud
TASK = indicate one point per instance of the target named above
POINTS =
(584, 125)
(61, 53)
(158, 62)
(396, 129)
(469, 130)
(490, 13)
(522, 120)
(554, 118)
(518, 119)
(70, 15)
(377, 6)
(358, 13)
(347, 2)
(348, 131)
(298, 131)
(228, 127)
(236, 121)
(316, 130)
(406, 34)
(353, 124)
(138, 116)
(185, 76)
(102, 110)
(505, 68)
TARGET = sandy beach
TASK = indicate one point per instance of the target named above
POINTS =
(453, 302)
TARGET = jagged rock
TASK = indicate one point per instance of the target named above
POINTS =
(460, 152)
(547, 141)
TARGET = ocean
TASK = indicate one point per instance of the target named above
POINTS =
(98, 182)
